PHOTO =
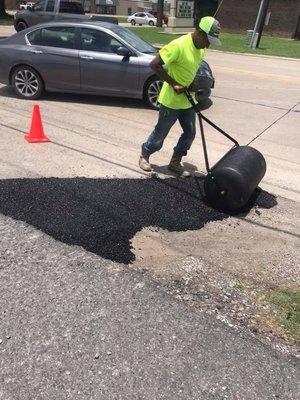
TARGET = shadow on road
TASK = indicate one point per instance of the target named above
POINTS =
(103, 215)
(108, 101)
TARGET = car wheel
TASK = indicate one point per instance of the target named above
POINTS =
(151, 92)
(132, 22)
(21, 25)
(151, 23)
(27, 83)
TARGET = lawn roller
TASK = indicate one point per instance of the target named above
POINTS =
(230, 183)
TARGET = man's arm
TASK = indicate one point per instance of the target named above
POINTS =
(157, 66)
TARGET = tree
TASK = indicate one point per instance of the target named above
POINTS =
(2, 9)
(296, 35)
(160, 11)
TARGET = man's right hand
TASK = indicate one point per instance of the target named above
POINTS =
(179, 89)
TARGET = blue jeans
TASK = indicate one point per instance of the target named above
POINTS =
(166, 119)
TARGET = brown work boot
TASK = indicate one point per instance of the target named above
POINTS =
(144, 163)
(176, 166)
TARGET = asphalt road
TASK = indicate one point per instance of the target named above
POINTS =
(80, 319)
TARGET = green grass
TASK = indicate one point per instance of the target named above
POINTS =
(122, 19)
(287, 304)
(271, 46)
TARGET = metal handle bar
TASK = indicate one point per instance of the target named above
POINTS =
(197, 111)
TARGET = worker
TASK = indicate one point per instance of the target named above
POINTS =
(182, 57)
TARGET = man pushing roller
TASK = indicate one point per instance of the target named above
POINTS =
(182, 56)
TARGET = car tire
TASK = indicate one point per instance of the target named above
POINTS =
(21, 25)
(151, 23)
(133, 22)
(27, 83)
(151, 92)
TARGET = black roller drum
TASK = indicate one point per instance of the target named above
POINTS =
(232, 181)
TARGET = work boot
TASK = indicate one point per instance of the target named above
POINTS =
(144, 163)
(176, 166)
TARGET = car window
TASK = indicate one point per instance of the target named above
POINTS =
(142, 15)
(70, 7)
(39, 5)
(34, 37)
(50, 6)
(135, 41)
(62, 37)
(95, 40)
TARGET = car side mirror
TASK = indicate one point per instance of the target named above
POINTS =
(123, 51)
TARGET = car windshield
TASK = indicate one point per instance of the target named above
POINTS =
(134, 40)
(149, 15)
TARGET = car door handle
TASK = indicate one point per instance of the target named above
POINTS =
(36, 51)
(87, 57)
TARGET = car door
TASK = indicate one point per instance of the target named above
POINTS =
(142, 18)
(49, 13)
(69, 9)
(54, 55)
(102, 70)
(38, 14)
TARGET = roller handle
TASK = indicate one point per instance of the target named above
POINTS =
(201, 117)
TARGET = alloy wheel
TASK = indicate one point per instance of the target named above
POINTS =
(26, 83)
(153, 93)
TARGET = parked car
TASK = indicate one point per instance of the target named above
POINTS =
(165, 17)
(24, 5)
(82, 57)
(142, 18)
(54, 10)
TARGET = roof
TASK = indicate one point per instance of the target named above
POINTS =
(76, 22)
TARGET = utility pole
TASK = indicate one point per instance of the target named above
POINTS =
(263, 20)
(160, 11)
(296, 35)
(260, 22)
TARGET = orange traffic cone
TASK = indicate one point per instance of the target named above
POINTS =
(36, 132)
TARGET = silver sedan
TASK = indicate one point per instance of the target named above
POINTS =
(80, 57)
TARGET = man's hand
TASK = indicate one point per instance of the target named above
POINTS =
(193, 87)
(178, 89)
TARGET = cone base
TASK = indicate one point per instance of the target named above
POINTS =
(36, 140)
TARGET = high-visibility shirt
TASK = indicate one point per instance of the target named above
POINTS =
(183, 60)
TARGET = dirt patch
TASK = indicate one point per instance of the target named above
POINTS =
(230, 267)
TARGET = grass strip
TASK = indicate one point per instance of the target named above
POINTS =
(271, 46)
(287, 305)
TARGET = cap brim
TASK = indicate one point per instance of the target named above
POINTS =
(214, 40)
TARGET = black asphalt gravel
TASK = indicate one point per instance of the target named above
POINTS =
(102, 215)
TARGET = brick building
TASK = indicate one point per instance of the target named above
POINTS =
(234, 15)
(240, 15)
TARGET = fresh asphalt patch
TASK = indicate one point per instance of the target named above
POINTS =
(103, 215)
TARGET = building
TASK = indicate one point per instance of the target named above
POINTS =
(238, 16)
(121, 7)
(235, 15)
